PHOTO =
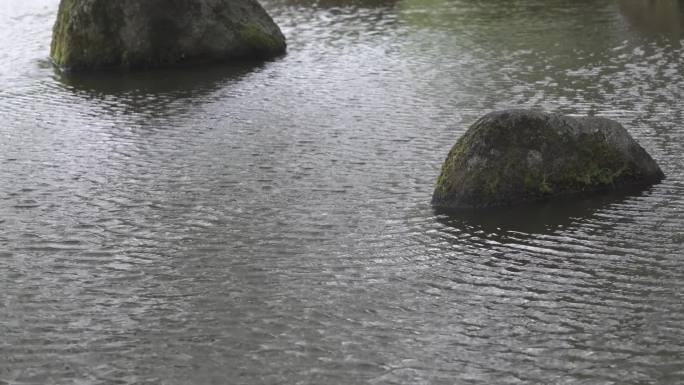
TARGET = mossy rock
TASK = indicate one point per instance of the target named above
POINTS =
(91, 34)
(514, 156)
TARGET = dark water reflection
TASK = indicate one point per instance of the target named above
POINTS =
(181, 82)
(361, 4)
(545, 217)
(660, 17)
(270, 223)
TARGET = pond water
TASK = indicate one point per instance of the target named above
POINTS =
(270, 223)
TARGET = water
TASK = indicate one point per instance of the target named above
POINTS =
(270, 223)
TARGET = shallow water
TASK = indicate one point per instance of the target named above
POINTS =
(270, 223)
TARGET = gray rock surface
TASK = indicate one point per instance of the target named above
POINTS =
(514, 156)
(151, 33)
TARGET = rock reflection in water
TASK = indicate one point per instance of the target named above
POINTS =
(545, 217)
(655, 16)
(341, 3)
(183, 80)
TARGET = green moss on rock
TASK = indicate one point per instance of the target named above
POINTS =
(538, 185)
(86, 34)
(515, 156)
(259, 40)
(454, 161)
(90, 34)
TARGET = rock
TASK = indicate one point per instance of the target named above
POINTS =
(151, 33)
(514, 156)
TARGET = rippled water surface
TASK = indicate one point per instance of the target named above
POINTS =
(270, 223)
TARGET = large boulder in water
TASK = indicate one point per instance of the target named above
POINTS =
(152, 33)
(514, 156)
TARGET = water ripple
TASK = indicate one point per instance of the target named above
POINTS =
(270, 223)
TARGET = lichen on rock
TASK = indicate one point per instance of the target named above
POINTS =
(514, 156)
(90, 34)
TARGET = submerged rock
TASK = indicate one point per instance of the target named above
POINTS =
(152, 33)
(514, 156)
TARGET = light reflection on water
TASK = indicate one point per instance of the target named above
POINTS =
(270, 223)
